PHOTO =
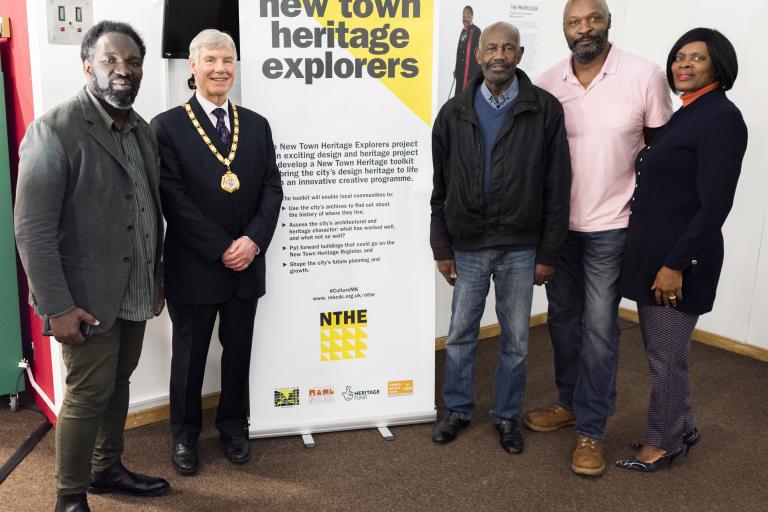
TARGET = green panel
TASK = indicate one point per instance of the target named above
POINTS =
(10, 329)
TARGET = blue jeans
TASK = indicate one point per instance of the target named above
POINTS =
(512, 273)
(584, 326)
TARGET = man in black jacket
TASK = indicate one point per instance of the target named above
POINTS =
(221, 197)
(500, 205)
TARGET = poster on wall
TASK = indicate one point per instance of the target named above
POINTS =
(455, 21)
(344, 337)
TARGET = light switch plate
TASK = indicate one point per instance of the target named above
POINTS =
(68, 20)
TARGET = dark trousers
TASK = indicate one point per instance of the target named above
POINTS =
(583, 324)
(667, 337)
(192, 329)
(90, 424)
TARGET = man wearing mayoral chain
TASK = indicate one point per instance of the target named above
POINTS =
(221, 196)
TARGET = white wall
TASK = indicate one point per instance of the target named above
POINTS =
(646, 27)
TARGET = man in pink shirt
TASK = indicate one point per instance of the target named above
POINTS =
(613, 103)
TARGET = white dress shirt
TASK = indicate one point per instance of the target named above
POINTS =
(209, 107)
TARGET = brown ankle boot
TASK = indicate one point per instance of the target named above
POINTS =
(588, 458)
(547, 420)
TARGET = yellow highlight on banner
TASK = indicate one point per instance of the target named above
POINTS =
(417, 18)
(400, 387)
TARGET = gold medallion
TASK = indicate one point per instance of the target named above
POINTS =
(229, 181)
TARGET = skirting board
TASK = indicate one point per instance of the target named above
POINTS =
(162, 412)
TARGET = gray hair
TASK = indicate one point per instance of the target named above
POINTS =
(211, 38)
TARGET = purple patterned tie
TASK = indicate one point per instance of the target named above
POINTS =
(220, 126)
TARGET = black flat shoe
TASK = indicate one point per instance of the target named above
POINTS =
(690, 438)
(449, 426)
(665, 461)
(184, 459)
(118, 479)
(236, 449)
(510, 438)
(72, 503)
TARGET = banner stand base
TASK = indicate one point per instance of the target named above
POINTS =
(308, 440)
(341, 424)
(386, 434)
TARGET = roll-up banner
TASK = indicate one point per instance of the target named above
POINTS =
(344, 337)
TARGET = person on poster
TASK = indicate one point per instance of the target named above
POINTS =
(467, 66)
(221, 195)
(89, 233)
(507, 224)
(614, 102)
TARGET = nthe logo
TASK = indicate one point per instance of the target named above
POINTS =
(286, 397)
(342, 335)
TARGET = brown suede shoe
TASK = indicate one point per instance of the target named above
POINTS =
(587, 458)
(547, 420)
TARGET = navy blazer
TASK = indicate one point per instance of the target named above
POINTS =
(203, 219)
(686, 180)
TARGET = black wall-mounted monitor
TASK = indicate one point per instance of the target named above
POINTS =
(184, 19)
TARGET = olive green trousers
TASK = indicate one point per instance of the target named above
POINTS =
(90, 424)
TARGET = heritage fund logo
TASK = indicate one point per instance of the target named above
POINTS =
(324, 395)
(286, 397)
(350, 394)
(342, 335)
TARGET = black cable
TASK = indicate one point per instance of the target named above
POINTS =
(24, 450)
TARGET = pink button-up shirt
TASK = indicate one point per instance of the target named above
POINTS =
(605, 132)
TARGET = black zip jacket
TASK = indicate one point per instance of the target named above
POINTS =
(530, 177)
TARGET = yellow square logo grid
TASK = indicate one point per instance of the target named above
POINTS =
(343, 336)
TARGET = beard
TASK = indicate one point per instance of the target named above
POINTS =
(590, 52)
(121, 100)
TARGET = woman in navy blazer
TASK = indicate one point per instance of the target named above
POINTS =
(686, 180)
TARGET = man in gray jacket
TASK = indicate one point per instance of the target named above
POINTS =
(89, 233)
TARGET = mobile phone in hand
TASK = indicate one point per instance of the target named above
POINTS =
(86, 329)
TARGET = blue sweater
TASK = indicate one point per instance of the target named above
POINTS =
(490, 120)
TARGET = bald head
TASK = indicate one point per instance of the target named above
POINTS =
(593, 5)
(501, 28)
(586, 24)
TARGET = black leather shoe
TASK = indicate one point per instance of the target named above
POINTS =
(118, 479)
(236, 449)
(665, 461)
(510, 437)
(185, 459)
(449, 426)
(690, 439)
(72, 503)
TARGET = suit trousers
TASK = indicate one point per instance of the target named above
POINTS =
(666, 335)
(90, 425)
(192, 329)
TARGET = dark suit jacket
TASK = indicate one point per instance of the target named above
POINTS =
(74, 204)
(203, 219)
(471, 37)
(686, 180)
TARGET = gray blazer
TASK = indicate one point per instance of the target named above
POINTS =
(74, 206)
